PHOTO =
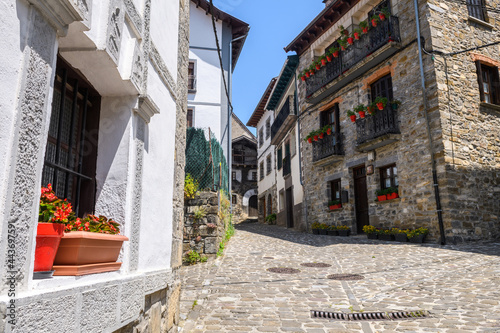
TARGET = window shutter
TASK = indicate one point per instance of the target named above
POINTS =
(480, 80)
(495, 89)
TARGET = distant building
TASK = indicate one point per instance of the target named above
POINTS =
(244, 171)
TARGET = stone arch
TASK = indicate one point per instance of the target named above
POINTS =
(247, 196)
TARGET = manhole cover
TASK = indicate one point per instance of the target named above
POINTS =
(315, 264)
(285, 270)
(347, 277)
(268, 257)
(357, 316)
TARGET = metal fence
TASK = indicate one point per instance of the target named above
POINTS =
(205, 160)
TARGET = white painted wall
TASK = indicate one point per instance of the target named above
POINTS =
(262, 152)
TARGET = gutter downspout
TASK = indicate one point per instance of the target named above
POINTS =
(229, 122)
(426, 108)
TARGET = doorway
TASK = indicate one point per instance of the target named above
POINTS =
(361, 198)
(289, 208)
(253, 210)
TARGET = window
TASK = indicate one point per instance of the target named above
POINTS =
(335, 189)
(71, 153)
(254, 176)
(268, 128)
(330, 118)
(268, 164)
(191, 77)
(280, 158)
(190, 118)
(238, 154)
(261, 137)
(235, 199)
(383, 88)
(476, 9)
(489, 84)
(233, 175)
(261, 170)
(389, 177)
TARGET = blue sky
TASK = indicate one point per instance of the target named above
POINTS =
(273, 25)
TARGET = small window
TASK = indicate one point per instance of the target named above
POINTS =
(335, 189)
(190, 118)
(489, 84)
(191, 77)
(269, 164)
(261, 137)
(235, 199)
(389, 176)
(382, 88)
(261, 170)
(476, 9)
(280, 158)
(254, 176)
(268, 128)
(234, 175)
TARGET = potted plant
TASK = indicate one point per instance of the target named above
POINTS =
(381, 102)
(323, 229)
(343, 43)
(332, 230)
(356, 34)
(400, 235)
(370, 231)
(343, 230)
(302, 77)
(381, 195)
(375, 19)
(307, 73)
(334, 204)
(323, 60)
(317, 64)
(312, 69)
(351, 115)
(327, 129)
(269, 218)
(364, 26)
(392, 193)
(344, 31)
(395, 104)
(315, 135)
(52, 219)
(371, 108)
(321, 134)
(315, 228)
(334, 51)
(384, 13)
(417, 235)
(385, 234)
(309, 138)
(361, 110)
(350, 40)
(89, 245)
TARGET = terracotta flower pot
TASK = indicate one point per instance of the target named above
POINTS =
(356, 35)
(315, 138)
(391, 196)
(335, 54)
(365, 30)
(321, 135)
(323, 62)
(311, 72)
(48, 237)
(353, 118)
(328, 131)
(381, 16)
(310, 140)
(350, 40)
(303, 78)
(361, 114)
(346, 32)
(380, 106)
(329, 58)
(308, 74)
(333, 207)
(374, 23)
(318, 67)
(82, 252)
(382, 197)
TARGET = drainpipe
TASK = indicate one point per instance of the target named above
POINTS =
(426, 108)
(229, 120)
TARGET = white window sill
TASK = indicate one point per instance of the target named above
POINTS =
(481, 22)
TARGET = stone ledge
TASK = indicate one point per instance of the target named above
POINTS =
(378, 142)
(329, 160)
(490, 107)
(481, 22)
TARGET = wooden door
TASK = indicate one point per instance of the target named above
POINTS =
(253, 210)
(289, 208)
(361, 198)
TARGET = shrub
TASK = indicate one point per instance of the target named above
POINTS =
(190, 187)
(369, 229)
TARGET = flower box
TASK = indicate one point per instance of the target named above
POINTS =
(382, 197)
(417, 239)
(401, 237)
(343, 232)
(333, 232)
(334, 207)
(323, 231)
(315, 231)
(386, 237)
(372, 236)
(82, 252)
(392, 196)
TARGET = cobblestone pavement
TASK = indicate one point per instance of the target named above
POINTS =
(458, 285)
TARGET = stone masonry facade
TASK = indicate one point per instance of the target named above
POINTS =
(464, 133)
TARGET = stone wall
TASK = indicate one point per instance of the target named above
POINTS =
(197, 235)
(271, 191)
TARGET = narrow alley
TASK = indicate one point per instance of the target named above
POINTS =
(456, 287)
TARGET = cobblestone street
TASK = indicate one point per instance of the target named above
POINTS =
(457, 285)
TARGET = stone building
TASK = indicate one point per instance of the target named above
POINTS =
(262, 119)
(440, 148)
(93, 98)
(244, 171)
(285, 140)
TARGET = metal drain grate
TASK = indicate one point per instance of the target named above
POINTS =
(369, 315)
(345, 277)
(267, 257)
(315, 264)
(285, 270)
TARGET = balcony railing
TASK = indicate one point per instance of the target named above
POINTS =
(383, 122)
(328, 146)
(280, 119)
(385, 31)
(287, 166)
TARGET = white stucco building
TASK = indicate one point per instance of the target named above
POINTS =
(93, 99)
(262, 120)
(209, 95)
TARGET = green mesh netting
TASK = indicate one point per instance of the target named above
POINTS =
(205, 160)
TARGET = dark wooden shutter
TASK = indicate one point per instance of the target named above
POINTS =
(382, 87)
(337, 126)
(280, 158)
(480, 80)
